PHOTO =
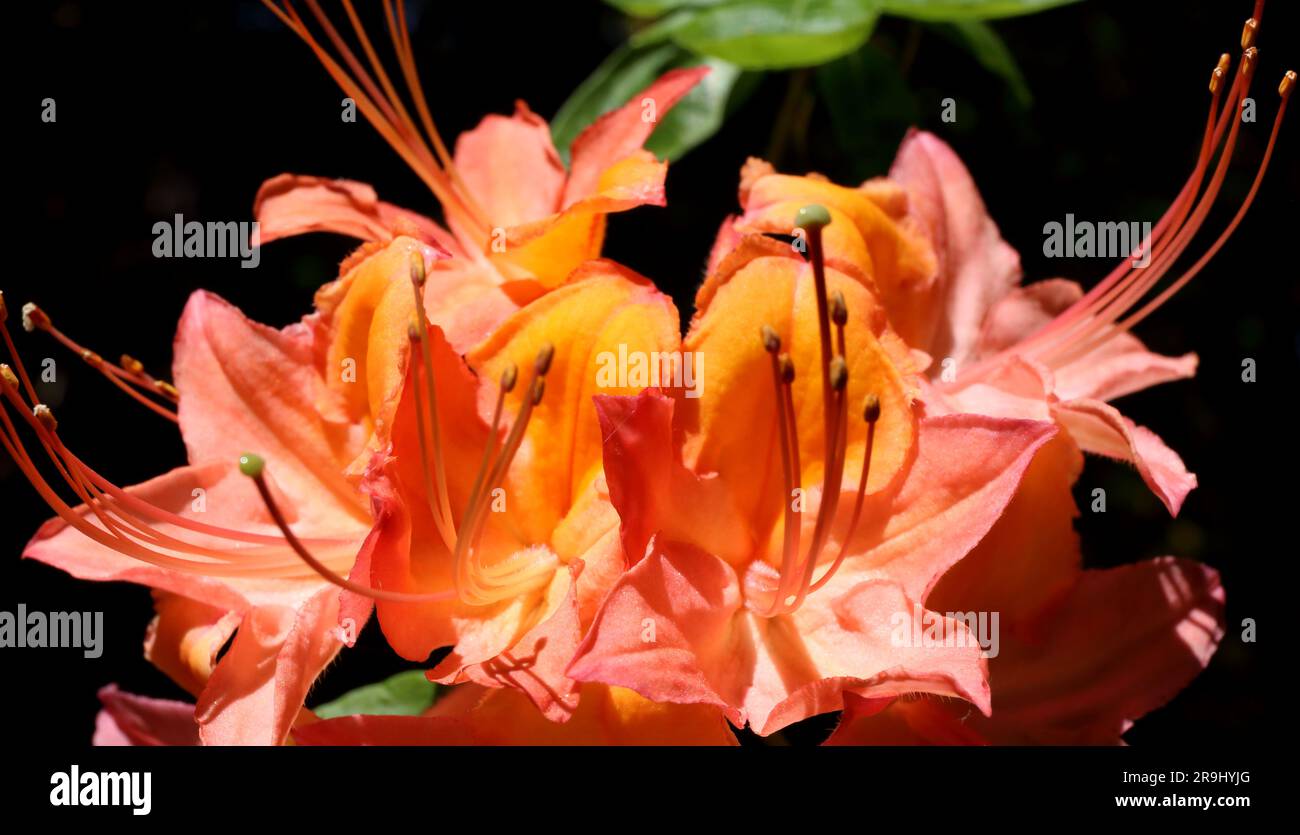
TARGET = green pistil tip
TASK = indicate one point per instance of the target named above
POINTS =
(251, 465)
(812, 216)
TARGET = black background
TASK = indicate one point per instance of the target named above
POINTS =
(168, 107)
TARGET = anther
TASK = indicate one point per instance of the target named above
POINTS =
(1288, 81)
(871, 408)
(839, 373)
(417, 269)
(839, 310)
(1220, 71)
(91, 357)
(4, 309)
(509, 377)
(1248, 33)
(786, 367)
(771, 342)
(1248, 61)
(538, 389)
(167, 389)
(34, 317)
(132, 365)
(544, 357)
(42, 413)
(7, 374)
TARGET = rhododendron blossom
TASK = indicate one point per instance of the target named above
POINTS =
(864, 508)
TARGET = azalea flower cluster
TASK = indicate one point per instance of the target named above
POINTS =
(890, 430)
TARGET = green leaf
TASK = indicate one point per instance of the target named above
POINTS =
(701, 113)
(654, 8)
(619, 77)
(628, 71)
(778, 34)
(949, 10)
(987, 47)
(405, 694)
(870, 106)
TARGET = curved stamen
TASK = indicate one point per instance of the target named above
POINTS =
(479, 584)
(124, 530)
(870, 414)
(782, 378)
(831, 482)
(811, 219)
(13, 351)
(253, 466)
(442, 516)
(384, 109)
(1102, 330)
(35, 319)
(1107, 309)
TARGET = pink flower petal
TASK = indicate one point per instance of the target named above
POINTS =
(128, 719)
(511, 168)
(1101, 429)
(293, 204)
(977, 267)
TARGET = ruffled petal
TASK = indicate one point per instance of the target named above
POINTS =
(675, 629)
(293, 204)
(1101, 429)
(127, 719)
(1120, 365)
(511, 168)
(976, 267)
(1123, 643)
(968, 468)
(244, 387)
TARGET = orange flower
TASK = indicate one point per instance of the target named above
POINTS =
(1047, 352)
(316, 398)
(511, 528)
(751, 590)
(520, 223)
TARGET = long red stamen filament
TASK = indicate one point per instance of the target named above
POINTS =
(400, 34)
(1139, 282)
(1108, 309)
(1102, 331)
(439, 501)
(795, 580)
(811, 219)
(384, 108)
(788, 441)
(114, 538)
(871, 414)
(1175, 214)
(1227, 232)
(325, 571)
(36, 319)
(13, 352)
(480, 584)
(831, 482)
(116, 510)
